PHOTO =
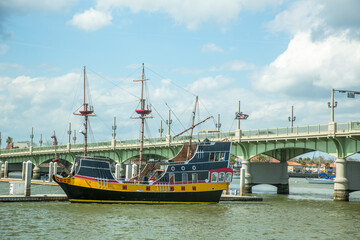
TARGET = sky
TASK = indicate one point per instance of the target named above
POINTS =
(268, 54)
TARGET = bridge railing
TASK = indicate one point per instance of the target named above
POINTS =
(269, 132)
(299, 130)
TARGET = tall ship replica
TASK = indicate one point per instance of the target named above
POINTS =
(197, 174)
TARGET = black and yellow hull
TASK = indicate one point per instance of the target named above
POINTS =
(89, 191)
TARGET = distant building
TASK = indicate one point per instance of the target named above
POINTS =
(294, 167)
(18, 145)
(264, 159)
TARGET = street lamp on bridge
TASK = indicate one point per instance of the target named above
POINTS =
(333, 104)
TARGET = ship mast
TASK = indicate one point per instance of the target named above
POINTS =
(192, 129)
(143, 112)
(86, 112)
(55, 144)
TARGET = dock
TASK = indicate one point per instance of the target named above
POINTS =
(33, 198)
(237, 198)
(38, 182)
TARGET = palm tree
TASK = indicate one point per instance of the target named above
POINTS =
(327, 166)
(9, 141)
(303, 165)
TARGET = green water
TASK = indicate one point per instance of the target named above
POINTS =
(308, 212)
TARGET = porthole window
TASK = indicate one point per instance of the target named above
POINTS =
(214, 177)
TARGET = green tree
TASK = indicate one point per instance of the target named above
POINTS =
(9, 141)
(327, 166)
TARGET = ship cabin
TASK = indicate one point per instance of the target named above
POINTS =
(208, 163)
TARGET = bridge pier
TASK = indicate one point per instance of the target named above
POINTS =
(266, 173)
(122, 170)
(36, 172)
(283, 187)
(248, 185)
(5, 169)
(341, 189)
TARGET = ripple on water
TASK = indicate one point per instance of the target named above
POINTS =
(305, 214)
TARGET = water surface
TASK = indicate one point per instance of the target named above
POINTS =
(308, 212)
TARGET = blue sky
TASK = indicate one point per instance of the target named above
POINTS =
(269, 54)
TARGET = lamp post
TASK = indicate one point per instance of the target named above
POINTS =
(292, 118)
(218, 125)
(113, 141)
(168, 123)
(239, 116)
(333, 103)
(74, 137)
(41, 141)
(161, 130)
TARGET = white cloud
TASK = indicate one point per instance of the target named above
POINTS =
(306, 66)
(322, 17)
(211, 47)
(301, 16)
(234, 65)
(204, 85)
(184, 12)
(190, 13)
(91, 20)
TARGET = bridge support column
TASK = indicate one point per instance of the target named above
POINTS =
(117, 171)
(55, 168)
(134, 170)
(51, 169)
(248, 183)
(122, 170)
(283, 187)
(23, 170)
(128, 173)
(341, 189)
(36, 172)
(28, 178)
(6, 169)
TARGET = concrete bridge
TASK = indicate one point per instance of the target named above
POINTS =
(339, 140)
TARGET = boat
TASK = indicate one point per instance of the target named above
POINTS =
(199, 173)
(322, 178)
